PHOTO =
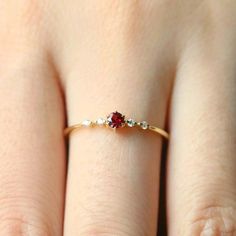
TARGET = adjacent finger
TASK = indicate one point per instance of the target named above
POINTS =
(201, 164)
(32, 152)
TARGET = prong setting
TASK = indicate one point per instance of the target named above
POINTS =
(144, 125)
(101, 121)
(131, 122)
(87, 123)
(116, 120)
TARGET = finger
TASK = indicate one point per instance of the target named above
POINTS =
(113, 177)
(201, 171)
(32, 158)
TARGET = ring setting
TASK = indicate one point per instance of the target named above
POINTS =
(116, 120)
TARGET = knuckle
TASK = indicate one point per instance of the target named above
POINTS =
(98, 232)
(19, 226)
(108, 217)
(213, 220)
(117, 224)
(25, 214)
(104, 231)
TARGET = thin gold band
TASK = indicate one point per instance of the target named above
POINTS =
(159, 131)
(116, 120)
(76, 127)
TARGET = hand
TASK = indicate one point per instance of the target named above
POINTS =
(171, 63)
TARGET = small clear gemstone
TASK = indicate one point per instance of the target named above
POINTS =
(87, 123)
(101, 121)
(144, 125)
(131, 122)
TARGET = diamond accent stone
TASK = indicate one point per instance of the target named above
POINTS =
(101, 121)
(87, 123)
(144, 125)
(130, 122)
(116, 120)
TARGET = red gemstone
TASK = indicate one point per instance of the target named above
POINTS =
(116, 120)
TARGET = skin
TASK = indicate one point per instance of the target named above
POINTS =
(171, 63)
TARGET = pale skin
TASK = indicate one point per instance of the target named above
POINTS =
(172, 63)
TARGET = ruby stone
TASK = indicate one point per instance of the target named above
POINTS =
(116, 120)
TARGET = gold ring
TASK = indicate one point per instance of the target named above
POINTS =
(116, 120)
